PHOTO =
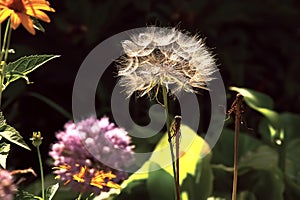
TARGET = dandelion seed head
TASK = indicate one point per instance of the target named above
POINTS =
(165, 57)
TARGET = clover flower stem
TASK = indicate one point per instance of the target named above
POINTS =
(168, 124)
(4, 53)
(42, 172)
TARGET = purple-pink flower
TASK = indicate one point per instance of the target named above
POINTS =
(7, 187)
(92, 155)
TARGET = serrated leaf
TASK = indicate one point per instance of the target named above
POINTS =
(14, 136)
(23, 66)
(23, 195)
(2, 122)
(4, 150)
(51, 190)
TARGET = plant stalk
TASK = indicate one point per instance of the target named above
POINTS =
(42, 172)
(168, 125)
(4, 54)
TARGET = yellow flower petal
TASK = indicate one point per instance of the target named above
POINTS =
(20, 10)
(15, 21)
(113, 185)
(4, 14)
(39, 15)
(27, 23)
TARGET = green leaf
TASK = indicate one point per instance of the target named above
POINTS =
(37, 25)
(199, 187)
(23, 195)
(51, 190)
(291, 125)
(255, 99)
(11, 134)
(2, 122)
(265, 184)
(260, 174)
(14, 136)
(23, 66)
(223, 150)
(4, 150)
(160, 184)
(264, 104)
(292, 168)
(192, 148)
(263, 158)
(134, 190)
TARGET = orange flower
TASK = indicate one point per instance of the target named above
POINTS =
(21, 10)
(104, 179)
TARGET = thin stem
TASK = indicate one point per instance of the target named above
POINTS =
(4, 52)
(237, 108)
(5, 41)
(7, 45)
(168, 124)
(281, 153)
(235, 164)
(79, 196)
(42, 172)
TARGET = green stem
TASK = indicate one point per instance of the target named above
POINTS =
(168, 124)
(4, 54)
(79, 196)
(42, 172)
(281, 154)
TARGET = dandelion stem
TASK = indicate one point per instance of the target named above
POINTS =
(42, 172)
(168, 124)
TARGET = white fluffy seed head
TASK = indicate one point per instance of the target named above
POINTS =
(165, 57)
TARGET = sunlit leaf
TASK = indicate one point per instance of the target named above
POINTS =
(199, 186)
(51, 190)
(264, 104)
(192, 149)
(4, 150)
(23, 66)
(23, 195)
(255, 99)
(13, 136)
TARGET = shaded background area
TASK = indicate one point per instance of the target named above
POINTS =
(257, 45)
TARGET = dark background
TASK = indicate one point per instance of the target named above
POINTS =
(256, 43)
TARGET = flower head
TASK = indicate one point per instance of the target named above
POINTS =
(7, 188)
(165, 57)
(36, 139)
(91, 154)
(21, 10)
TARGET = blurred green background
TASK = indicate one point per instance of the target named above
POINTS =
(256, 43)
